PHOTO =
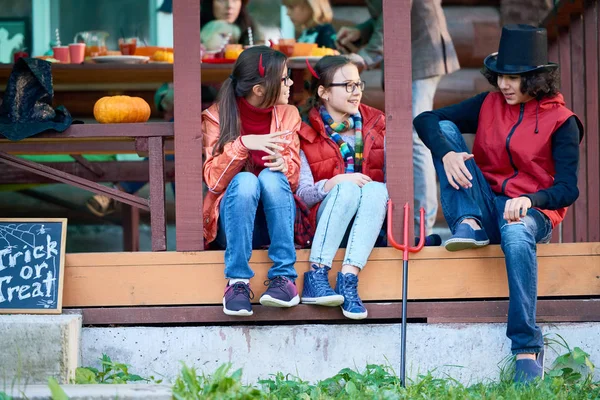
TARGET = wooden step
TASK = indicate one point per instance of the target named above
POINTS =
(171, 278)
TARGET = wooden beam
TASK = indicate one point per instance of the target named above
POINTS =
(188, 122)
(398, 110)
(429, 311)
(177, 278)
(112, 171)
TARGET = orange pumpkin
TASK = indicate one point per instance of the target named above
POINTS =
(121, 109)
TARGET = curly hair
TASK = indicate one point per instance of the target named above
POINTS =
(537, 84)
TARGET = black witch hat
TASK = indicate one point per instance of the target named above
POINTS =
(26, 109)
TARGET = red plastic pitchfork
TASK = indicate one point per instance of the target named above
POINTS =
(405, 249)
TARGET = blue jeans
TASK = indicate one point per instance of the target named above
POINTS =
(349, 214)
(257, 212)
(517, 240)
(425, 186)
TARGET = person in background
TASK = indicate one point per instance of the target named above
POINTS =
(232, 11)
(313, 19)
(522, 175)
(433, 55)
(341, 181)
(251, 168)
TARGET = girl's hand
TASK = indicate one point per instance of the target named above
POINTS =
(516, 208)
(277, 163)
(456, 170)
(267, 143)
(357, 178)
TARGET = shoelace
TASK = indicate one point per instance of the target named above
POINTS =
(278, 281)
(242, 288)
(350, 288)
(321, 282)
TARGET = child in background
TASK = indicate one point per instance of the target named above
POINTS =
(313, 19)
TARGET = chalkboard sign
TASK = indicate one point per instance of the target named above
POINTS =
(32, 258)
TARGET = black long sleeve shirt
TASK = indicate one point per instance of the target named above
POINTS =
(565, 148)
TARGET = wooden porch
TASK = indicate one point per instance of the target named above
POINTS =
(187, 286)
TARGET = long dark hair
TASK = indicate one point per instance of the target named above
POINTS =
(325, 69)
(537, 84)
(244, 76)
(243, 21)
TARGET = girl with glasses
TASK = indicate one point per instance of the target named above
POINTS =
(341, 181)
(251, 170)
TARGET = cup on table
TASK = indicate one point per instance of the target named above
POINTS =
(127, 46)
(61, 53)
(77, 52)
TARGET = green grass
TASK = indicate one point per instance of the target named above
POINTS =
(569, 378)
(375, 382)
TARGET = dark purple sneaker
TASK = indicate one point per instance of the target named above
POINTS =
(236, 300)
(282, 292)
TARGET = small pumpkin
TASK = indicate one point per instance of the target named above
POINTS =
(121, 109)
(163, 56)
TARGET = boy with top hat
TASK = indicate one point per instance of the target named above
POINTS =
(516, 185)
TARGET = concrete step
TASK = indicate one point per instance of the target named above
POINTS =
(96, 392)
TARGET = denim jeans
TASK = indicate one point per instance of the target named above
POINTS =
(353, 215)
(517, 240)
(425, 186)
(257, 212)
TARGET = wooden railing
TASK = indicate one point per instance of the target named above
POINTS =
(574, 30)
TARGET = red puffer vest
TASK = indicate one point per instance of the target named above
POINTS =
(514, 158)
(324, 156)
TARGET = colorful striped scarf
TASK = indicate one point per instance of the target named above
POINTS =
(352, 157)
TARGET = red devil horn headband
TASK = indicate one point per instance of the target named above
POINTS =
(261, 67)
(312, 70)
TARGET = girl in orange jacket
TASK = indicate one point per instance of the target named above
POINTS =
(251, 170)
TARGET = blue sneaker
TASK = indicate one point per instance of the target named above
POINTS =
(466, 237)
(347, 286)
(317, 290)
(527, 371)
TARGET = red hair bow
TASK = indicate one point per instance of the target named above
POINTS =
(312, 70)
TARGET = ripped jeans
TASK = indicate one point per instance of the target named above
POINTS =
(518, 241)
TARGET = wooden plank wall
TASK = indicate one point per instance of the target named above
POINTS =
(577, 49)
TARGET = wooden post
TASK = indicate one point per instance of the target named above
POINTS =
(564, 39)
(579, 209)
(398, 109)
(158, 223)
(131, 227)
(188, 137)
(592, 132)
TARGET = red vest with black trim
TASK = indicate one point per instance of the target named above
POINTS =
(324, 156)
(514, 159)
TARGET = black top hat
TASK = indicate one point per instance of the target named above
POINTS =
(27, 105)
(523, 48)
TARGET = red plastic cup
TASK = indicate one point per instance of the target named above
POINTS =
(77, 52)
(19, 54)
(61, 53)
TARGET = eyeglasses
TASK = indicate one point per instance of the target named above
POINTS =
(287, 80)
(351, 86)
